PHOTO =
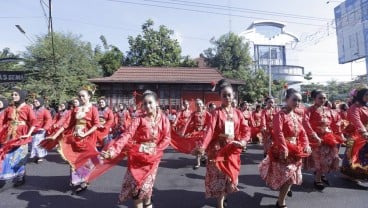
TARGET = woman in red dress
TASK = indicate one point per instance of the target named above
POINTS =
(78, 143)
(227, 134)
(246, 113)
(282, 166)
(266, 123)
(195, 128)
(182, 117)
(144, 141)
(256, 135)
(324, 133)
(355, 161)
(18, 121)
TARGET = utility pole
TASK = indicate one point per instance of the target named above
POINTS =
(269, 72)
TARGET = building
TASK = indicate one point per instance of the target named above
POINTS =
(270, 45)
(173, 85)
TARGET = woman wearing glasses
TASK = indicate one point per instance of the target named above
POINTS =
(78, 143)
(282, 166)
(227, 134)
(144, 141)
(324, 132)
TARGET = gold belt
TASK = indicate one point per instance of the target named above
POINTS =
(102, 121)
(17, 123)
(291, 139)
(81, 122)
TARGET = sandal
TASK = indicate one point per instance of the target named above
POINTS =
(150, 205)
(319, 185)
(196, 167)
(280, 206)
(290, 194)
(325, 180)
(79, 188)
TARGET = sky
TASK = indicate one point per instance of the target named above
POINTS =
(194, 22)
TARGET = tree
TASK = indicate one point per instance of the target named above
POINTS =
(186, 61)
(231, 56)
(153, 47)
(10, 60)
(74, 65)
(111, 59)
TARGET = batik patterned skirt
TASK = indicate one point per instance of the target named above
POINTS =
(277, 174)
(14, 164)
(130, 189)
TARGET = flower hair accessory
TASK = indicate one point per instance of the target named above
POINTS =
(89, 88)
(353, 92)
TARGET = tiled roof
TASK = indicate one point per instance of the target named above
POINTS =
(163, 75)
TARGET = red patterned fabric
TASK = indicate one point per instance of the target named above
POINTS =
(10, 133)
(44, 119)
(74, 149)
(326, 124)
(192, 133)
(140, 164)
(106, 117)
(289, 139)
(214, 141)
(228, 161)
(266, 124)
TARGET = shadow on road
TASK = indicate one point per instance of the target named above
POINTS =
(88, 199)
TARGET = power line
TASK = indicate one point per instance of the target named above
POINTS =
(17, 17)
(257, 11)
(42, 3)
(203, 11)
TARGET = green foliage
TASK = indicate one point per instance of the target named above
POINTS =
(229, 54)
(153, 47)
(110, 60)
(11, 66)
(74, 65)
(334, 90)
(186, 61)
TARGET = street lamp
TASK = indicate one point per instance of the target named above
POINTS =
(24, 33)
(327, 2)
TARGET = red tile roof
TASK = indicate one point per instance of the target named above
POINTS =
(163, 75)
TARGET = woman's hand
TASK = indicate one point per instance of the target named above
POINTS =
(51, 137)
(238, 144)
(319, 140)
(106, 154)
(25, 136)
(308, 149)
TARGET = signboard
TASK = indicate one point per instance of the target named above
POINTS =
(351, 19)
(11, 76)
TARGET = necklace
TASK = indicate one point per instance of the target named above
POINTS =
(229, 113)
(294, 119)
(153, 126)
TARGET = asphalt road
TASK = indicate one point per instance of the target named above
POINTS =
(177, 186)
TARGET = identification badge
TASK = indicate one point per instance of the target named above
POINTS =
(229, 128)
(148, 148)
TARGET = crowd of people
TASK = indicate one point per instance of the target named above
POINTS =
(92, 138)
